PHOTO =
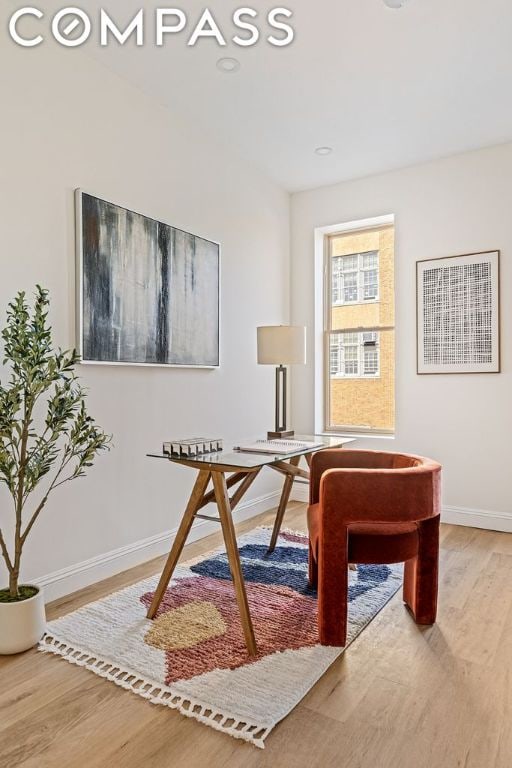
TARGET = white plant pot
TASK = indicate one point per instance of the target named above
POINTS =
(22, 624)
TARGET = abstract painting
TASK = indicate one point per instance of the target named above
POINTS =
(458, 314)
(148, 293)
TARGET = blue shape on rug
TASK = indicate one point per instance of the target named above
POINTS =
(269, 571)
(287, 555)
(218, 568)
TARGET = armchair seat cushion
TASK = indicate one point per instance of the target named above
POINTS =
(372, 542)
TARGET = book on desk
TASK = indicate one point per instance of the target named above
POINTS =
(278, 446)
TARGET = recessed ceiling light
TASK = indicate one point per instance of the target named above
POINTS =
(395, 3)
(228, 65)
(323, 150)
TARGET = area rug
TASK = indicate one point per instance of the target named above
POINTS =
(192, 657)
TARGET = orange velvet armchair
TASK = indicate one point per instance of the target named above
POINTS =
(372, 507)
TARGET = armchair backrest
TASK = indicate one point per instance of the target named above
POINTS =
(375, 486)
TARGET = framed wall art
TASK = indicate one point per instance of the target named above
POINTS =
(458, 314)
(147, 292)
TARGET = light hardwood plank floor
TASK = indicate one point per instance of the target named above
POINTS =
(402, 696)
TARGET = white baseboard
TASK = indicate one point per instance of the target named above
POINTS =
(68, 580)
(300, 493)
(473, 518)
(477, 518)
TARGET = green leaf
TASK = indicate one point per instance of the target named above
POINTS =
(61, 442)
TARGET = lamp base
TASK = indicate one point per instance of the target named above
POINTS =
(281, 434)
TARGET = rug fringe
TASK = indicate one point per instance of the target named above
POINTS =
(155, 693)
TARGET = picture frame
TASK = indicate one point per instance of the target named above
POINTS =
(458, 314)
(147, 293)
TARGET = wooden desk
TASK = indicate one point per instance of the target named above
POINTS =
(227, 470)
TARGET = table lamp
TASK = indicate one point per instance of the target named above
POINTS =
(281, 345)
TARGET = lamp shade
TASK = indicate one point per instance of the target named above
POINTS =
(282, 345)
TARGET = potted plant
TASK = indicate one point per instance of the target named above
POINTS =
(46, 439)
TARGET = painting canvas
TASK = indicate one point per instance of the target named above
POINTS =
(458, 314)
(148, 293)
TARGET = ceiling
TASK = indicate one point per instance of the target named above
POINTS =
(384, 88)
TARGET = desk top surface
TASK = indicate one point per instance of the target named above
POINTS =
(245, 460)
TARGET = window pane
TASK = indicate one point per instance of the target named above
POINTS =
(360, 369)
(336, 264)
(334, 357)
(350, 286)
(349, 263)
(336, 287)
(369, 260)
(371, 361)
(351, 359)
(354, 278)
(361, 390)
(370, 284)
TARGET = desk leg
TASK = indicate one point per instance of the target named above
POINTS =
(198, 491)
(228, 531)
(285, 495)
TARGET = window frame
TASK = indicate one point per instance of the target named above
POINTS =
(327, 234)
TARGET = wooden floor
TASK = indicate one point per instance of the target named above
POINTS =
(400, 697)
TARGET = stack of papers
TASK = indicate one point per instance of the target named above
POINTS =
(277, 446)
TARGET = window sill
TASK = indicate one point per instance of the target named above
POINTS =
(364, 302)
(359, 435)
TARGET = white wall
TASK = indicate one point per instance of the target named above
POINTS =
(66, 123)
(459, 205)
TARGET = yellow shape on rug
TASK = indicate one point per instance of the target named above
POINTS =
(186, 626)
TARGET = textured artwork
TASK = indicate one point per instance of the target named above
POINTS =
(148, 292)
(458, 314)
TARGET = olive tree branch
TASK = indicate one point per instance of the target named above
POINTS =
(5, 553)
(65, 461)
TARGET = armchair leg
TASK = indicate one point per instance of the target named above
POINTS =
(333, 595)
(421, 574)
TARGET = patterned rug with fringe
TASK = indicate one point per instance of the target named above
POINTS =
(192, 657)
